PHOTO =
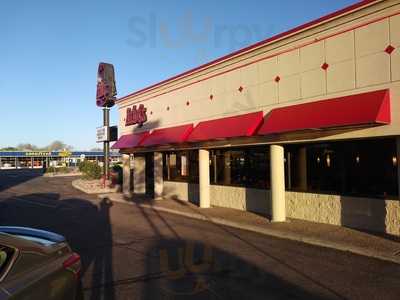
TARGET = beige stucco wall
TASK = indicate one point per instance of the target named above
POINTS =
(363, 213)
(139, 175)
(182, 191)
(353, 49)
(253, 200)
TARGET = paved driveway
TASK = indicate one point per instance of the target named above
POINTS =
(133, 253)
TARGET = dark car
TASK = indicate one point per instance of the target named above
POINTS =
(37, 264)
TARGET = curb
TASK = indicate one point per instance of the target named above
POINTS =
(82, 189)
(271, 232)
(62, 175)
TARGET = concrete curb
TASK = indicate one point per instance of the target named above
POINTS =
(61, 175)
(271, 232)
(82, 189)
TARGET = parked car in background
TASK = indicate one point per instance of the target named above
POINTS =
(37, 264)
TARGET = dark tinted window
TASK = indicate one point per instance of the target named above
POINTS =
(360, 168)
(181, 166)
(247, 167)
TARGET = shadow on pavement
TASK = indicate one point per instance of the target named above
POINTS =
(10, 178)
(168, 267)
(85, 225)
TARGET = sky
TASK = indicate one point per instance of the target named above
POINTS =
(50, 50)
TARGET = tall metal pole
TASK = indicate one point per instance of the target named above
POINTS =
(106, 122)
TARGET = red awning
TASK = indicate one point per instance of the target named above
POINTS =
(236, 126)
(355, 110)
(130, 140)
(171, 135)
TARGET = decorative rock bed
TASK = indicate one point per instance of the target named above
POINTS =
(94, 186)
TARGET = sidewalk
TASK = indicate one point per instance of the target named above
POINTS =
(324, 235)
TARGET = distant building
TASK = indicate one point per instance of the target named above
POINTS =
(41, 159)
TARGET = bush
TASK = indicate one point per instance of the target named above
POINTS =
(116, 174)
(50, 169)
(90, 170)
(62, 170)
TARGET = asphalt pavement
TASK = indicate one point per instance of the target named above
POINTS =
(130, 252)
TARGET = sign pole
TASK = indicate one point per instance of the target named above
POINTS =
(106, 123)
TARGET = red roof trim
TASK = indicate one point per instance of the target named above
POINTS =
(130, 140)
(361, 109)
(235, 126)
(258, 44)
(169, 135)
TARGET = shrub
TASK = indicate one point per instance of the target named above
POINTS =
(116, 174)
(62, 170)
(90, 170)
(50, 169)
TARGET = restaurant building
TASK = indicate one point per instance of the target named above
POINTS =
(305, 125)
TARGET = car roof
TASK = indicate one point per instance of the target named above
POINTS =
(28, 243)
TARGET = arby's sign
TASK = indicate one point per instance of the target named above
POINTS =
(136, 115)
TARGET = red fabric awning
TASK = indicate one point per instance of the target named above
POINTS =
(236, 126)
(362, 109)
(171, 135)
(130, 140)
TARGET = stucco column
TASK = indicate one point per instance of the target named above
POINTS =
(302, 168)
(139, 175)
(277, 183)
(227, 167)
(204, 178)
(398, 163)
(126, 175)
(158, 175)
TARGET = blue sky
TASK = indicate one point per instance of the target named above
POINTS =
(49, 52)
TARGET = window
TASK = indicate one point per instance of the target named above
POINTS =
(181, 166)
(6, 253)
(247, 167)
(359, 168)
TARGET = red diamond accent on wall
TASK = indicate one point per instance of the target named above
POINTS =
(240, 89)
(324, 66)
(277, 79)
(389, 49)
(211, 97)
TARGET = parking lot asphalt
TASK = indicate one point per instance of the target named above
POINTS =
(129, 252)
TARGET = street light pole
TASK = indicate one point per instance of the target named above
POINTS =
(106, 145)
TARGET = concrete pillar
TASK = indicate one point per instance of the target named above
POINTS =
(302, 169)
(158, 175)
(16, 162)
(277, 183)
(204, 178)
(126, 175)
(227, 167)
(31, 162)
(139, 175)
(398, 163)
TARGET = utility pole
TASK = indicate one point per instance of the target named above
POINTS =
(105, 98)
(106, 144)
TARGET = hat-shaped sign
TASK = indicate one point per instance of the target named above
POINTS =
(106, 90)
